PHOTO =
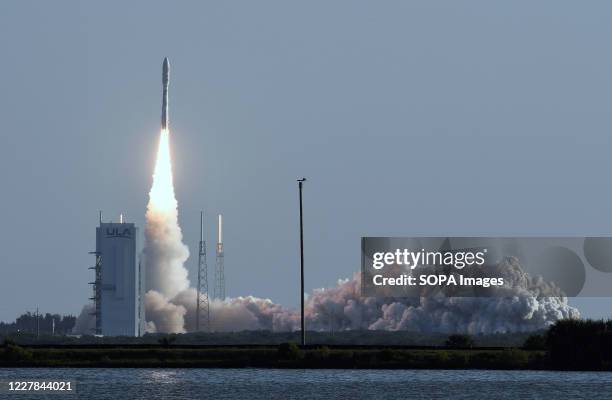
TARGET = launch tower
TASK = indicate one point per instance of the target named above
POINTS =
(117, 286)
(219, 265)
(203, 303)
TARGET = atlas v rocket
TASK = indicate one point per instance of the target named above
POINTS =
(165, 81)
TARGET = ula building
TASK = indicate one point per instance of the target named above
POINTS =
(119, 284)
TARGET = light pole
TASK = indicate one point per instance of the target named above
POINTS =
(300, 183)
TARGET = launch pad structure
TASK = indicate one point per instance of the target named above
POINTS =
(202, 302)
(97, 292)
(117, 286)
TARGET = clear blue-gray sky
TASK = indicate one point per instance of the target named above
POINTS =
(407, 117)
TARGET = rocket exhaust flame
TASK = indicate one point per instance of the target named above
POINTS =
(161, 196)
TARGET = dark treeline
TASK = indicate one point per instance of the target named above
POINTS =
(580, 344)
(566, 345)
(27, 323)
(363, 338)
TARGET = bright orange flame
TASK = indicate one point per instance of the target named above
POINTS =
(161, 196)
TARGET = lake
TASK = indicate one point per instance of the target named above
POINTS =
(138, 383)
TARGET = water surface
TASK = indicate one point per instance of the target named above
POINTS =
(106, 383)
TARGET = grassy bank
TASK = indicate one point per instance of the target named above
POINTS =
(566, 345)
(283, 356)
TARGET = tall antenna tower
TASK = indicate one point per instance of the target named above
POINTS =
(202, 302)
(219, 265)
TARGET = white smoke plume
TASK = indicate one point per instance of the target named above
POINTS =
(238, 314)
(342, 307)
(163, 315)
(526, 305)
(164, 253)
(522, 308)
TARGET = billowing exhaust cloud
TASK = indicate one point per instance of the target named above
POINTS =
(162, 315)
(240, 313)
(523, 308)
(343, 308)
(164, 252)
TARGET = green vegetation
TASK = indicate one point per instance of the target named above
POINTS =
(45, 324)
(289, 351)
(568, 344)
(166, 341)
(15, 354)
(287, 355)
(363, 337)
(535, 342)
(460, 341)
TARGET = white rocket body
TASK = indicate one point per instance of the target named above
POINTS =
(165, 82)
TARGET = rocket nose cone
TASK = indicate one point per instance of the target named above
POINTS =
(166, 63)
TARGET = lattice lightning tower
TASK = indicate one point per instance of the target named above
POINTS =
(219, 265)
(203, 303)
